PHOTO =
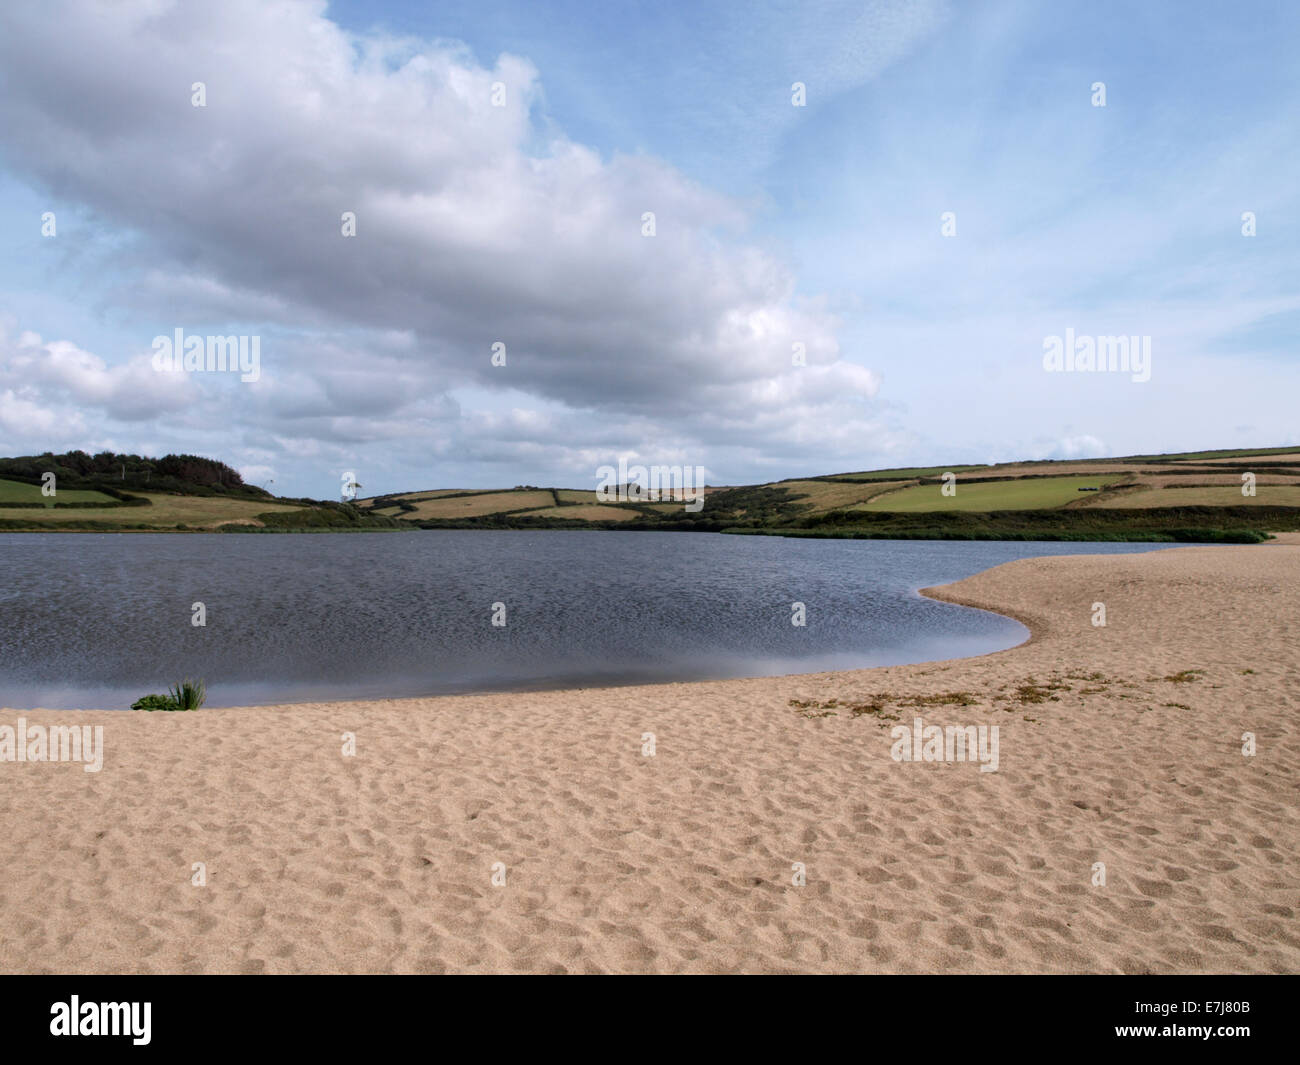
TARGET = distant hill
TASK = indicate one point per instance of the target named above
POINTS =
(1189, 496)
(1183, 496)
(109, 492)
(191, 474)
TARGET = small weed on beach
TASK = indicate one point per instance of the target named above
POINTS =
(942, 699)
(876, 708)
(872, 705)
(807, 708)
(1033, 692)
(1186, 676)
(187, 695)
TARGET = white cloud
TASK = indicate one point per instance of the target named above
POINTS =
(59, 376)
(468, 233)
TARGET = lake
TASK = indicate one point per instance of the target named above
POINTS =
(91, 620)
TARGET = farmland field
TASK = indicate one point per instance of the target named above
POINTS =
(832, 495)
(1225, 455)
(576, 495)
(1034, 493)
(432, 493)
(906, 474)
(584, 512)
(1287, 456)
(1267, 495)
(166, 511)
(476, 506)
(20, 492)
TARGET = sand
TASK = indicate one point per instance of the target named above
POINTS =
(615, 861)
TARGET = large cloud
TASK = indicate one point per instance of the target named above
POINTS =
(472, 225)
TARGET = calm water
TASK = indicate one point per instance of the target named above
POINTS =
(99, 620)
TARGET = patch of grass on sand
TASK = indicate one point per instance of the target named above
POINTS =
(874, 706)
(809, 708)
(878, 706)
(187, 695)
(941, 699)
(1185, 676)
(1033, 692)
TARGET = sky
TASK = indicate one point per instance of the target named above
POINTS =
(869, 220)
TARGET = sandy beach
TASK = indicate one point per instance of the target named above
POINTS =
(1120, 745)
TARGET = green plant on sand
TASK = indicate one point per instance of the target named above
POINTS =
(187, 695)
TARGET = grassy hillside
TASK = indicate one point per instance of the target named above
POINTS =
(1026, 493)
(1266, 495)
(166, 511)
(1187, 496)
(156, 512)
(20, 492)
(126, 493)
(112, 472)
(1193, 495)
(473, 505)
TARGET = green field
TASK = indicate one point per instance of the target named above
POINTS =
(479, 504)
(584, 512)
(1267, 495)
(1030, 493)
(906, 473)
(832, 495)
(165, 511)
(19, 492)
(1273, 456)
(1199, 456)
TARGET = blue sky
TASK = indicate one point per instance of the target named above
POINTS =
(776, 224)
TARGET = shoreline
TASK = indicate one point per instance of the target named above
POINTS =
(1119, 746)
